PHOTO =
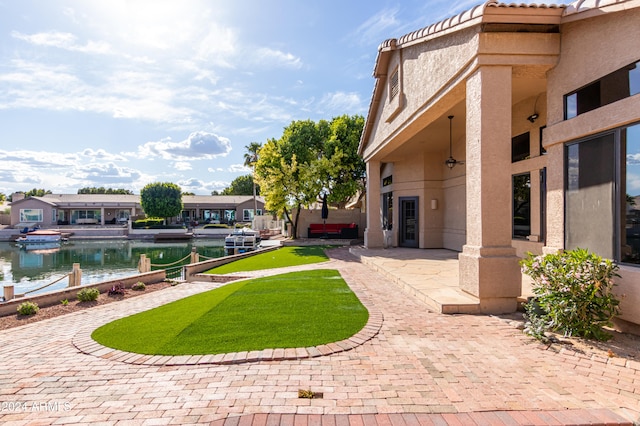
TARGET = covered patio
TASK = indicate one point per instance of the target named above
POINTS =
(429, 275)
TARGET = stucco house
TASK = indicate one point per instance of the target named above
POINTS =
(506, 129)
(104, 209)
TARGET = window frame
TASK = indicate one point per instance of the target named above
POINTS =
(572, 103)
(24, 215)
(617, 196)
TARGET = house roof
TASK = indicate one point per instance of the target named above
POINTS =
(491, 11)
(97, 199)
(226, 199)
(126, 200)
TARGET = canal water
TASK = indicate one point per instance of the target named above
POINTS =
(100, 260)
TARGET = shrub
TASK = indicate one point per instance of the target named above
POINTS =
(573, 294)
(215, 225)
(64, 302)
(139, 286)
(88, 294)
(117, 290)
(28, 308)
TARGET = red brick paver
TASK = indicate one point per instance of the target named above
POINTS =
(420, 368)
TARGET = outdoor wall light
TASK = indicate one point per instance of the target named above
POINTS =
(451, 162)
(533, 117)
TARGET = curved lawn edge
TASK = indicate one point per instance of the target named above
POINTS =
(84, 342)
(86, 345)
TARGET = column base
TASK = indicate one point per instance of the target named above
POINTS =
(373, 239)
(492, 274)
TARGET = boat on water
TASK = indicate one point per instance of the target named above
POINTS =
(41, 238)
(241, 241)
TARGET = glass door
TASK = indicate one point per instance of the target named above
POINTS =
(409, 221)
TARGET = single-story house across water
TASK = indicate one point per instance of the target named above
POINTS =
(510, 128)
(104, 209)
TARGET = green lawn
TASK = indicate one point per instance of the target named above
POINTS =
(297, 309)
(284, 256)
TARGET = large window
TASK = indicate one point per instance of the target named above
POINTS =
(247, 214)
(30, 215)
(613, 87)
(602, 195)
(521, 185)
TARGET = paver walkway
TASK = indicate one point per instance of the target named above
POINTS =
(421, 368)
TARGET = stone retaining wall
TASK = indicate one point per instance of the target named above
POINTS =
(70, 293)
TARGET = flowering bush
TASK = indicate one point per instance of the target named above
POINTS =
(573, 293)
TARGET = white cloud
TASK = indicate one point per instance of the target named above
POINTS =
(102, 155)
(182, 165)
(342, 103)
(633, 183)
(267, 57)
(198, 146)
(239, 168)
(62, 40)
(198, 185)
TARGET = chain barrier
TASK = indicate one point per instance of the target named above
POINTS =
(164, 265)
(47, 285)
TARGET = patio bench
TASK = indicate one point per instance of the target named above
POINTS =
(333, 230)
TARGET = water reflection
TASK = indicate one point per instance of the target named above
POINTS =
(99, 260)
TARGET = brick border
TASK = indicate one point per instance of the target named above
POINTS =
(86, 345)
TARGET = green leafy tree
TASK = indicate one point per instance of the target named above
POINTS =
(345, 168)
(103, 190)
(35, 192)
(308, 160)
(3, 197)
(242, 185)
(250, 160)
(288, 171)
(161, 199)
(188, 193)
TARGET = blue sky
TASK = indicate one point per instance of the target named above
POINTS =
(122, 93)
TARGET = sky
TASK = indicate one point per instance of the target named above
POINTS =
(122, 93)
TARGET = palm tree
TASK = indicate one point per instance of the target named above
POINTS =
(250, 160)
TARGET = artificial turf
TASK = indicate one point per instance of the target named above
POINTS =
(284, 256)
(297, 309)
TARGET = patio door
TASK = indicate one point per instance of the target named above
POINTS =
(408, 221)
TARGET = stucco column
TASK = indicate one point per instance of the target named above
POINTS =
(102, 216)
(555, 199)
(373, 233)
(489, 266)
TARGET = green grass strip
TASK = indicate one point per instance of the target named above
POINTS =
(284, 256)
(297, 309)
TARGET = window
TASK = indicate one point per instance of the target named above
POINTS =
(247, 214)
(602, 195)
(394, 84)
(30, 215)
(613, 87)
(521, 187)
(387, 211)
(520, 147)
(386, 181)
(542, 150)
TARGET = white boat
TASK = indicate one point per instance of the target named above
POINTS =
(241, 241)
(40, 236)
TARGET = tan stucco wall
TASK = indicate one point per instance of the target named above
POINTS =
(426, 80)
(435, 76)
(309, 216)
(47, 210)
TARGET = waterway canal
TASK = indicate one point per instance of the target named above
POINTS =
(100, 260)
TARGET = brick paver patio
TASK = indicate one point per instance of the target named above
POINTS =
(420, 368)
